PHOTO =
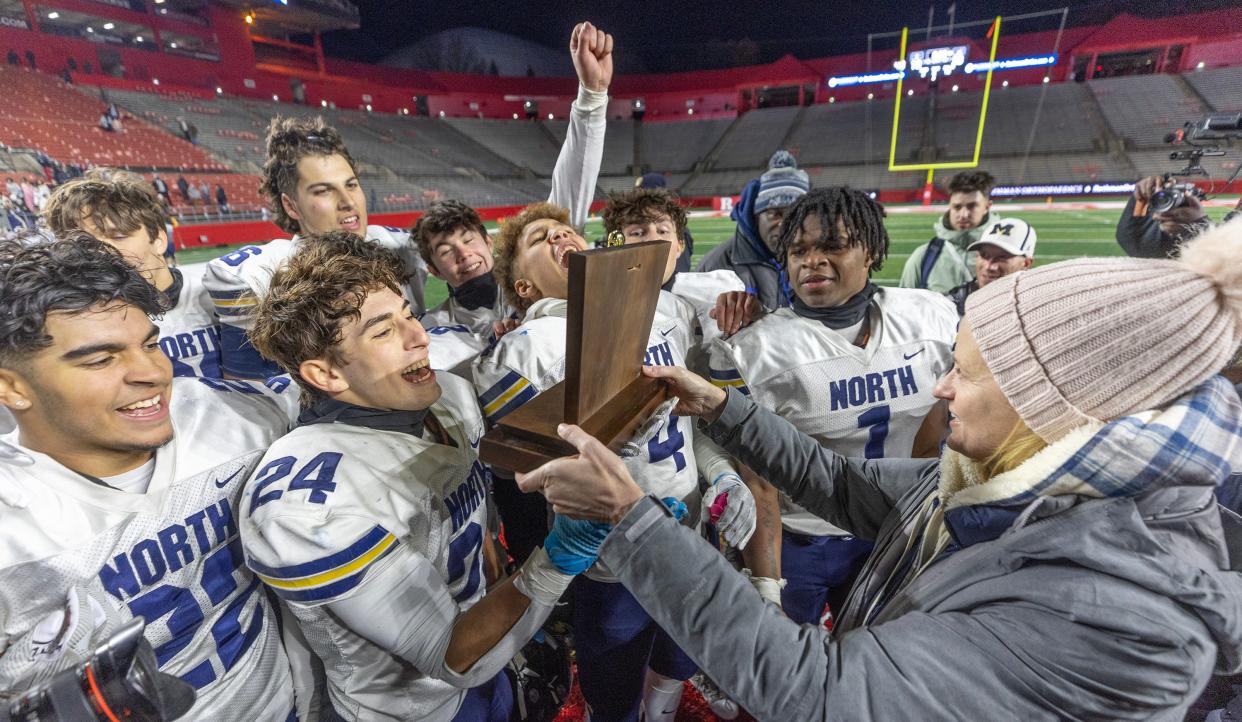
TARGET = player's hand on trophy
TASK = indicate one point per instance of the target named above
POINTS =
(591, 49)
(696, 395)
(735, 309)
(593, 485)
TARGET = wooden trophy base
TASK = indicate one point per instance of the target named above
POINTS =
(526, 439)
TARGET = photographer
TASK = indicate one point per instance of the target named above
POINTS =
(1157, 235)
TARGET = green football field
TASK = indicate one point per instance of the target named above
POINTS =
(1062, 233)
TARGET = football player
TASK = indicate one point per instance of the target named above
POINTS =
(122, 210)
(311, 183)
(451, 237)
(124, 501)
(370, 518)
(849, 363)
(616, 641)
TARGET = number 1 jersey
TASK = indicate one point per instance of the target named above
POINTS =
(860, 402)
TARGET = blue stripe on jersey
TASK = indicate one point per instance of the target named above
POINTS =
(726, 374)
(526, 394)
(228, 295)
(499, 388)
(332, 561)
(328, 591)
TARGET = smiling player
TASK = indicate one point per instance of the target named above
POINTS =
(123, 502)
(849, 363)
(312, 185)
(370, 518)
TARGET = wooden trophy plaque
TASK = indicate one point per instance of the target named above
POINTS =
(604, 390)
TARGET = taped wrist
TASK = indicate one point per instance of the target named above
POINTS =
(768, 588)
(540, 580)
(589, 100)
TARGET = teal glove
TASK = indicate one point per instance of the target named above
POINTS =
(676, 506)
(573, 544)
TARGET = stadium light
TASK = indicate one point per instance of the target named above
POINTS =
(1201, 65)
(368, 107)
(910, 92)
(89, 29)
(550, 116)
(1046, 79)
(155, 81)
(870, 96)
(832, 99)
(441, 113)
(219, 90)
(173, 45)
(108, 26)
(323, 103)
(689, 111)
(1005, 84)
(275, 97)
(954, 88)
(515, 116)
(53, 15)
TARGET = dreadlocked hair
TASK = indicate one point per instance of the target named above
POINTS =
(861, 216)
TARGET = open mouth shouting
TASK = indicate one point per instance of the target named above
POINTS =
(419, 372)
(150, 409)
(562, 251)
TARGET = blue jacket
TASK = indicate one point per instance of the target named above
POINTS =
(749, 258)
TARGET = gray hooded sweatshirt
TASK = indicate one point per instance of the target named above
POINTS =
(1052, 599)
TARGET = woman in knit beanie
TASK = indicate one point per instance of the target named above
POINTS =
(1064, 558)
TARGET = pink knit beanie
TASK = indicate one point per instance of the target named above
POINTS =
(1099, 338)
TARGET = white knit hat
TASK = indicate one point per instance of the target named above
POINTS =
(1099, 338)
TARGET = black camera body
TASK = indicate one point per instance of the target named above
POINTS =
(121, 680)
(1173, 194)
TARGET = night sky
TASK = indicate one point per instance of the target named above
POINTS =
(673, 35)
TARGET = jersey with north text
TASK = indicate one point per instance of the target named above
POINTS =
(860, 402)
(189, 331)
(237, 281)
(171, 555)
(531, 359)
(326, 510)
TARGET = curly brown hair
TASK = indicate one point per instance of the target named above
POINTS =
(644, 205)
(289, 140)
(442, 218)
(506, 244)
(111, 200)
(312, 296)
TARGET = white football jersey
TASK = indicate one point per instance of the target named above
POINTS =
(859, 402)
(189, 331)
(452, 347)
(237, 280)
(478, 320)
(327, 507)
(171, 555)
(701, 290)
(531, 358)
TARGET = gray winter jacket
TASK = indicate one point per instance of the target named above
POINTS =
(1069, 608)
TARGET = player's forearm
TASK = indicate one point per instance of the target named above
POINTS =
(484, 625)
(487, 636)
(763, 554)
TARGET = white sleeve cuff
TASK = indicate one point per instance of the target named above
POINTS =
(590, 100)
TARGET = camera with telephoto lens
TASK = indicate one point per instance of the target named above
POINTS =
(1173, 194)
(120, 681)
